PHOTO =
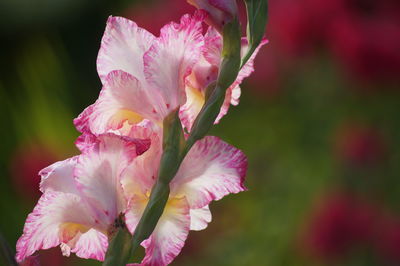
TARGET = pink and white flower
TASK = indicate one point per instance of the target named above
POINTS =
(206, 71)
(211, 170)
(82, 197)
(143, 76)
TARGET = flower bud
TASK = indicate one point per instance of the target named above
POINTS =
(220, 12)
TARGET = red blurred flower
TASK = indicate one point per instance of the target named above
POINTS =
(367, 48)
(25, 165)
(341, 223)
(388, 240)
(153, 16)
(31, 261)
(359, 145)
(364, 37)
(46, 257)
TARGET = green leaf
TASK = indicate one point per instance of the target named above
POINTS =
(257, 13)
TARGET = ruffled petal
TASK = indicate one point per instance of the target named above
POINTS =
(203, 74)
(248, 68)
(233, 92)
(122, 100)
(59, 177)
(91, 245)
(97, 175)
(211, 170)
(58, 217)
(82, 122)
(86, 142)
(139, 177)
(170, 60)
(212, 47)
(122, 48)
(170, 234)
(199, 218)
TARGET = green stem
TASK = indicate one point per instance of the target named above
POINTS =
(119, 251)
(152, 213)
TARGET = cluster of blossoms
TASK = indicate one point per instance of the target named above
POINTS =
(145, 79)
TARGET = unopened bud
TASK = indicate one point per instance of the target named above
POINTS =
(220, 12)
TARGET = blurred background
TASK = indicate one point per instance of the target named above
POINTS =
(319, 120)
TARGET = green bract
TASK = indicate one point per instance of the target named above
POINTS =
(257, 11)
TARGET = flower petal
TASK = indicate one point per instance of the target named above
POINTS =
(171, 58)
(122, 48)
(233, 92)
(170, 234)
(199, 218)
(139, 177)
(122, 99)
(211, 170)
(59, 177)
(42, 227)
(97, 176)
(212, 47)
(91, 245)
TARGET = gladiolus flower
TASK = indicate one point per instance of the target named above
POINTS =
(137, 83)
(82, 198)
(220, 12)
(84, 195)
(143, 76)
(211, 170)
(146, 80)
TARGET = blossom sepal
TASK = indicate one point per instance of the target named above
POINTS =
(257, 13)
(173, 145)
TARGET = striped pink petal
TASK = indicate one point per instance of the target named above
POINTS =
(122, 100)
(122, 48)
(199, 218)
(211, 170)
(171, 59)
(59, 177)
(168, 238)
(91, 245)
(97, 175)
(42, 227)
